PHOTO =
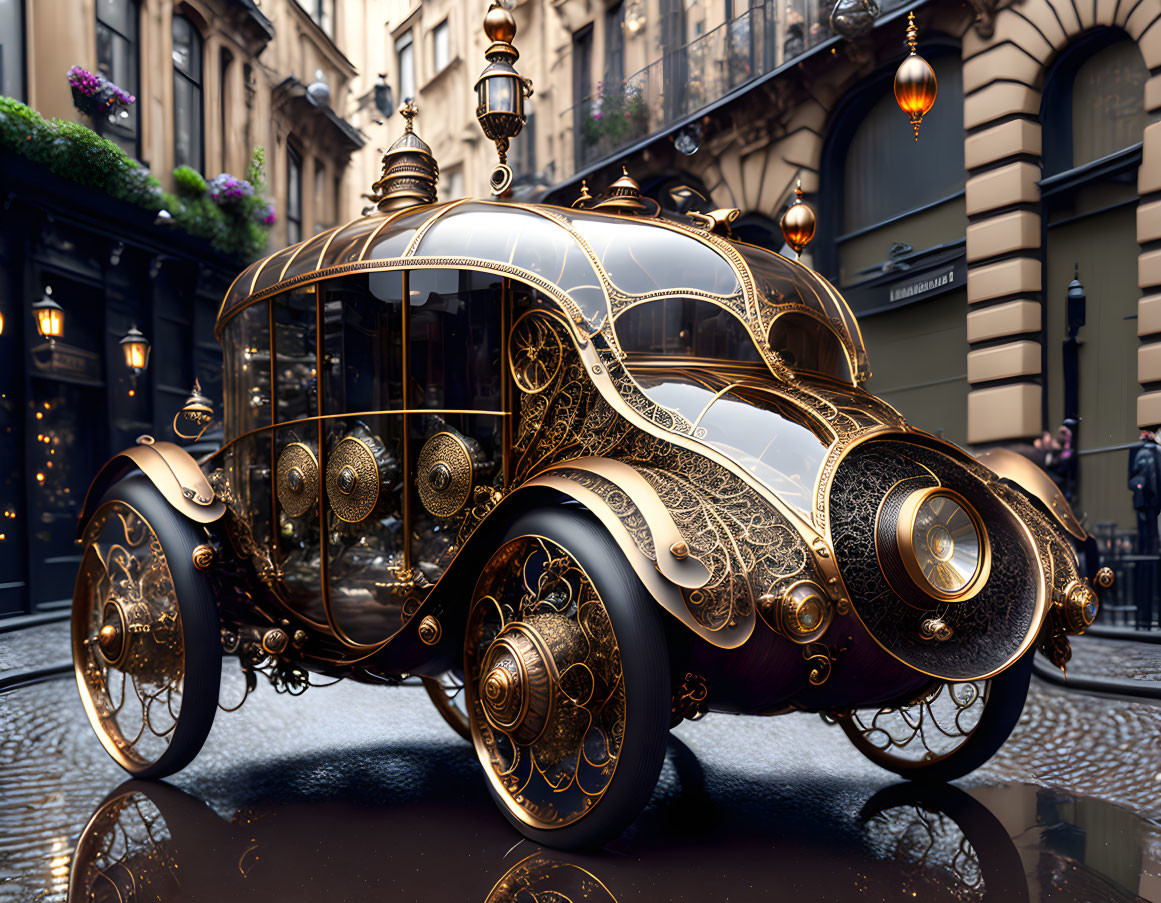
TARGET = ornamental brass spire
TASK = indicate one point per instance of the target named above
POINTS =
(623, 196)
(410, 173)
(501, 91)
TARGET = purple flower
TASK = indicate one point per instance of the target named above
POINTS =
(226, 190)
(269, 218)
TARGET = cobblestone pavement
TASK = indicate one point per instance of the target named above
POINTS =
(1098, 657)
(353, 792)
(34, 647)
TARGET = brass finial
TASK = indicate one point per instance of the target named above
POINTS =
(585, 198)
(798, 222)
(410, 173)
(912, 31)
(501, 91)
(195, 415)
(624, 196)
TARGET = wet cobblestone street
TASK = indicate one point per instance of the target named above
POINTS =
(359, 790)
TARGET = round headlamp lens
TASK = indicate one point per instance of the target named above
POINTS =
(946, 543)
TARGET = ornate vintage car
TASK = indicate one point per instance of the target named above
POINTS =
(587, 471)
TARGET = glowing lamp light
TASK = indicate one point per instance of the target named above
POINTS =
(49, 316)
(135, 347)
(915, 85)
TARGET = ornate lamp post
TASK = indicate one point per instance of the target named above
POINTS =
(501, 91)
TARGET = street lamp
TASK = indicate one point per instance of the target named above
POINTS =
(500, 91)
(49, 316)
(384, 98)
(1070, 351)
(135, 347)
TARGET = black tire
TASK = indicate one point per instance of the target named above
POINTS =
(641, 640)
(1006, 695)
(200, 631)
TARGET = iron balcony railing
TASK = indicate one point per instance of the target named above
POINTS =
(690, 77)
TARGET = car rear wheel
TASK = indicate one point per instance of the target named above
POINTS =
(950, 731)
(567, 678)
(145, 633)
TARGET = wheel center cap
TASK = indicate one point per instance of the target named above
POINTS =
(111, 636)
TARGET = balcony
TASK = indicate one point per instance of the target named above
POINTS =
(692, 77)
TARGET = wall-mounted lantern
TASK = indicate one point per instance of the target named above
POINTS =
(49, 316)
(384, 96)
(135, 347)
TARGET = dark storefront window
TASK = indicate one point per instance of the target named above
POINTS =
(12, 51)
(293, 196)
(615, 45)
(187, 95)
(117, 59)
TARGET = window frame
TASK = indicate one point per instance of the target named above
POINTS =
(127, 135)
(293, 169)
(21, 90)
(405, 42)
(198, 47)
(444, 27)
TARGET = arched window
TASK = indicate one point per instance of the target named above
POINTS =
(118, 60)
(188, 146)
(1094, 102)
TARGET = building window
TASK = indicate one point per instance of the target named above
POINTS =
(615, 45)
(440, 47)
(321, 213)
(293, 196)
(188, 147)
(405, 56)
(323, 13)
(12, 48)
(1093, 102)
(117, 59)
(453, 185)
(582, 89)
(226, 107)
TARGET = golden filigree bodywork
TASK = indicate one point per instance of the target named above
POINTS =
(128, 645)
(544, 682)
(923, 733)
(297, 479)
(352, 480)
(444, 474)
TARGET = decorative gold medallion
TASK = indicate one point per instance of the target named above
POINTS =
(352, 481)
(203, 557)
(430, 630)
(443, 474)
(297, 479)
(535, 353)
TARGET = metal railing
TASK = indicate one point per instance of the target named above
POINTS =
(1132, 601)
(690, 77)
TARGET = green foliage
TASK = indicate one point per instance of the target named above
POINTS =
(256, 171)
(78, 154)
(189, 181)
(620, 117)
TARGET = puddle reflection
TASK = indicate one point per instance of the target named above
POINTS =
(153, 842)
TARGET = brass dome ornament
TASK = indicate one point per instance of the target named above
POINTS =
(501, 92)
(623, 196)
(195, 415)
(410, 172)
(915, 85)
(798, 222)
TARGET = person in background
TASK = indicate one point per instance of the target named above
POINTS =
(1145, 484)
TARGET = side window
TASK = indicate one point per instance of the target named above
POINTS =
(806, 344)
(685, 327)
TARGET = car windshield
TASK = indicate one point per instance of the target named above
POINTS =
(755, 427)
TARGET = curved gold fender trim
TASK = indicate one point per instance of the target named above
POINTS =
(1013, 466)
(171, 469)
(683, 569)
(666, 593)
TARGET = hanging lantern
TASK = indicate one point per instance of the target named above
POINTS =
(501, 91)
(136, 350)
(915, 86)
(798, 222)
(853, 18)
(49, 316)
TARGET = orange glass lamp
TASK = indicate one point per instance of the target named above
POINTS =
(798, 222)
(915, 85)
(135, 347)
(49, 316)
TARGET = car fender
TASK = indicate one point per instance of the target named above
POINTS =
(1012, 466)
(171, 469)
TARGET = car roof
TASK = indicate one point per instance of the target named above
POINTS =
(595, 264)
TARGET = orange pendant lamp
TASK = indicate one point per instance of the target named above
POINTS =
(798, 222)
(915, 86)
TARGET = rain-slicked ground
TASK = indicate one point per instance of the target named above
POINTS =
(354, 793)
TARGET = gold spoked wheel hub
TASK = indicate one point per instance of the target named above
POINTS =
(128, 647)
(546, 696)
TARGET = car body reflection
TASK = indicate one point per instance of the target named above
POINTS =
(153, 842)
